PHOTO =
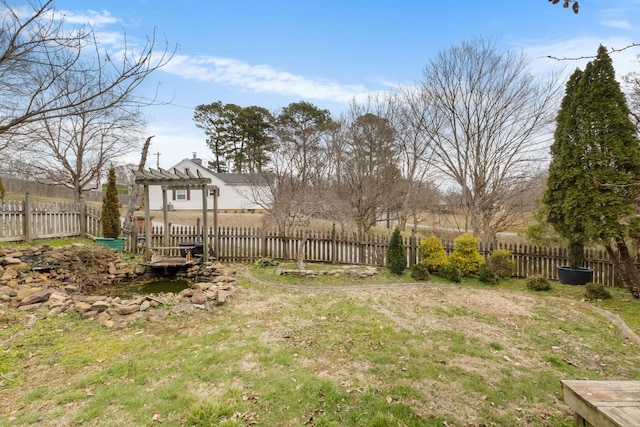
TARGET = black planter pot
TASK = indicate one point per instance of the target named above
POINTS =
(572, 276)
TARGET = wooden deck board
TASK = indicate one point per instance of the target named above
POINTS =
(604, 403)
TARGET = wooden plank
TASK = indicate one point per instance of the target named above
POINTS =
(604, 403)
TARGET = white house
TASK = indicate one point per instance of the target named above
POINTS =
(235, 191)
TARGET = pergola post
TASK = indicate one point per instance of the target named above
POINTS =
(205, 228)
(147, 225)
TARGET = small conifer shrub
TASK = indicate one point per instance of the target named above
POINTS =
(451, 272)
(539, 283)
(420, 271)
(110, 214)
(465, 256)
(396, 255)
(502, 263)
(487, 275)
(433, 254)
(596, 291)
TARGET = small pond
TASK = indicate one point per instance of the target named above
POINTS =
(128, 289)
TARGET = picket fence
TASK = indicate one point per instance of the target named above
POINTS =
(250, 244)
(29, 220)
(26, 220)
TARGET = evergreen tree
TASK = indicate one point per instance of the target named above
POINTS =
(594, 175)
(396, 255)
(110, 215)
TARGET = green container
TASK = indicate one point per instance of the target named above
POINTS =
(117, 244)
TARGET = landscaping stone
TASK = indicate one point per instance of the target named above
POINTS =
(37, 297)
(53, 290)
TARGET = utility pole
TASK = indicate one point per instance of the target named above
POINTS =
(157, 159)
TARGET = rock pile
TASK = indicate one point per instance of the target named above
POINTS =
(50, 282)
(352, 270)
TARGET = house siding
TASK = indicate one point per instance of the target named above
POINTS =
(231, 196)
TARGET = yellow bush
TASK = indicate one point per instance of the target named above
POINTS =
(432, 254)
(465, 256)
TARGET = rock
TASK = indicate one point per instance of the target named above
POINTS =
(30, 307)
(9, 274)
(10, 260)
(201, 286)
(198, 298)
(25, 292)
(182, 307)
(124, 310)
(37, 297)
(221, 297)
(91, 314)
(99, 306)
(144, 306)
(81, 306)
(158, 315)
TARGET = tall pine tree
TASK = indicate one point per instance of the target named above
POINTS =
(594, 175)
(110, 215)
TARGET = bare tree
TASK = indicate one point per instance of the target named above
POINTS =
(408, 115)
(43, 63)
(632, 88)
(296, 175)
(75, 149)
(370, 179)
(489, 123)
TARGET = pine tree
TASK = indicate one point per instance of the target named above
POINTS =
(594, 175)
(110, 215)
(396, 255)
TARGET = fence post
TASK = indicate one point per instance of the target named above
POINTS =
(334, 245)
(28, 217)
(413, 249)
(83, 217)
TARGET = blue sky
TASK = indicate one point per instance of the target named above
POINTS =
(272, 53)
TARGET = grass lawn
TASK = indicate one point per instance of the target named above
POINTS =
(321, 351)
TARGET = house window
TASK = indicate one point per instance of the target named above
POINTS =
(181, 195)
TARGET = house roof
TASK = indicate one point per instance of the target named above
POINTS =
(229, 178)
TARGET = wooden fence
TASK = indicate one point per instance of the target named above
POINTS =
(250, 244)
(28, 220)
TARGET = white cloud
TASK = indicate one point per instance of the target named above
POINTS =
(617, 23)
(259, 78)
(576, 52)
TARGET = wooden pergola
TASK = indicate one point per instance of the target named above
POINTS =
(176, 180)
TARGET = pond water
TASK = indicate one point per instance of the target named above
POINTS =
(128, 289)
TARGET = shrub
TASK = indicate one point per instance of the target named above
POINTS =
(432, 254)
(451, 272)
(420, 271)
(266, 262)
(465, 255)
(538, 282)
(110, 215)
(596, 291)
(502, 263)
(487, 275)
(396, 255)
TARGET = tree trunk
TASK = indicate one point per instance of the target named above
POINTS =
(300, 254)
(135, 190)
(625, 266)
